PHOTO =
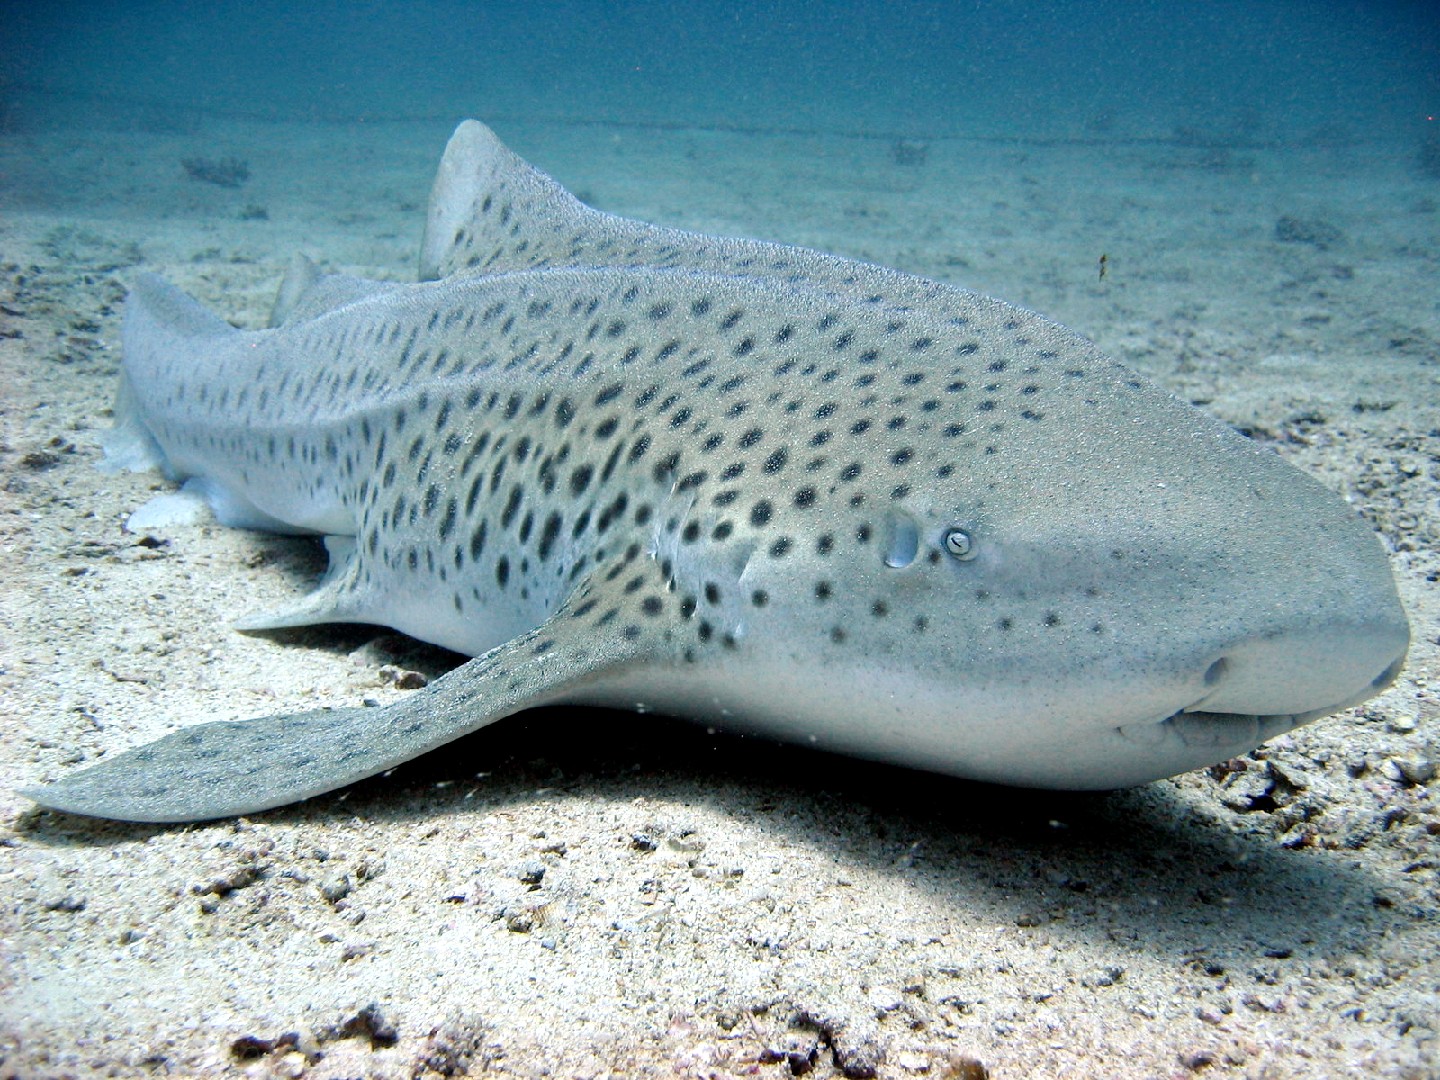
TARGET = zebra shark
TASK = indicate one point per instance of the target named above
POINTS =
(775, 490)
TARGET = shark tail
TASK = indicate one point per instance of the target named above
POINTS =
(161, 322)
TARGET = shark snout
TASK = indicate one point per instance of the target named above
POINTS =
(1306, 671)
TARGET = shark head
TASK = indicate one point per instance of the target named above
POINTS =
(1055, 576)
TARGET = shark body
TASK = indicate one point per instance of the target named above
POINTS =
(780, 491)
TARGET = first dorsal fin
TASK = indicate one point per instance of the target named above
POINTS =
(491, 211)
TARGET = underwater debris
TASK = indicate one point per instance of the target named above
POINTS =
(223, 172)
(1429, 158)
(909, 152)
(1313, 231)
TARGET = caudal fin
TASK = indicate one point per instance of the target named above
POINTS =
(161, 323)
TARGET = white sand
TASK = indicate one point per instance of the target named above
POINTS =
(585, 893)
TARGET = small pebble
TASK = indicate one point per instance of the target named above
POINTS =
(961, 1067)
(402, 678)
(1411, 772)
(912, 1061)
(885, 999)
(1415, 771)
(1403, 723)
(291, 1066)
(1195, 1060)
(371, 1023)
(859, 1061)
(1290, 774)
(335, 888)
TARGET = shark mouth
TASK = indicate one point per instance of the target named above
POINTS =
(1229, 733)
(1225, 733)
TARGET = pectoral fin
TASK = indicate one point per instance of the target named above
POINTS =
(226, 768)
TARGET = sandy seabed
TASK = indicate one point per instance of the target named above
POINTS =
(583, 893)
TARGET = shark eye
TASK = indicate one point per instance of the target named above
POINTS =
(959, 544)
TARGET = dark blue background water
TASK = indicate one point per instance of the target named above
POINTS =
(1227, 70)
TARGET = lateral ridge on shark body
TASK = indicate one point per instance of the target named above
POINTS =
(775, 490)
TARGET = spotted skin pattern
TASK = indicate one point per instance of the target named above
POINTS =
(762, 486)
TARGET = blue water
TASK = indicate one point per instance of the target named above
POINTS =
(1226, 71)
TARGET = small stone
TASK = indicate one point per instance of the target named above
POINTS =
(305, 1042)
(1315, 232)
(1249, 791)
(1290, 775)
(247, 1047)
(961, 1067)
(40, 460)
(1403, 723)
(242, 877)
(455, 1048)
(67, 903)
(911, 1061)
(291, 1066)
(335, 888)
(402, 678)
(859, 1061)
(370, 1022)
(531, 873)
(1195, 1060)
(1414, 772)
(885, 999)
(1029, 919)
